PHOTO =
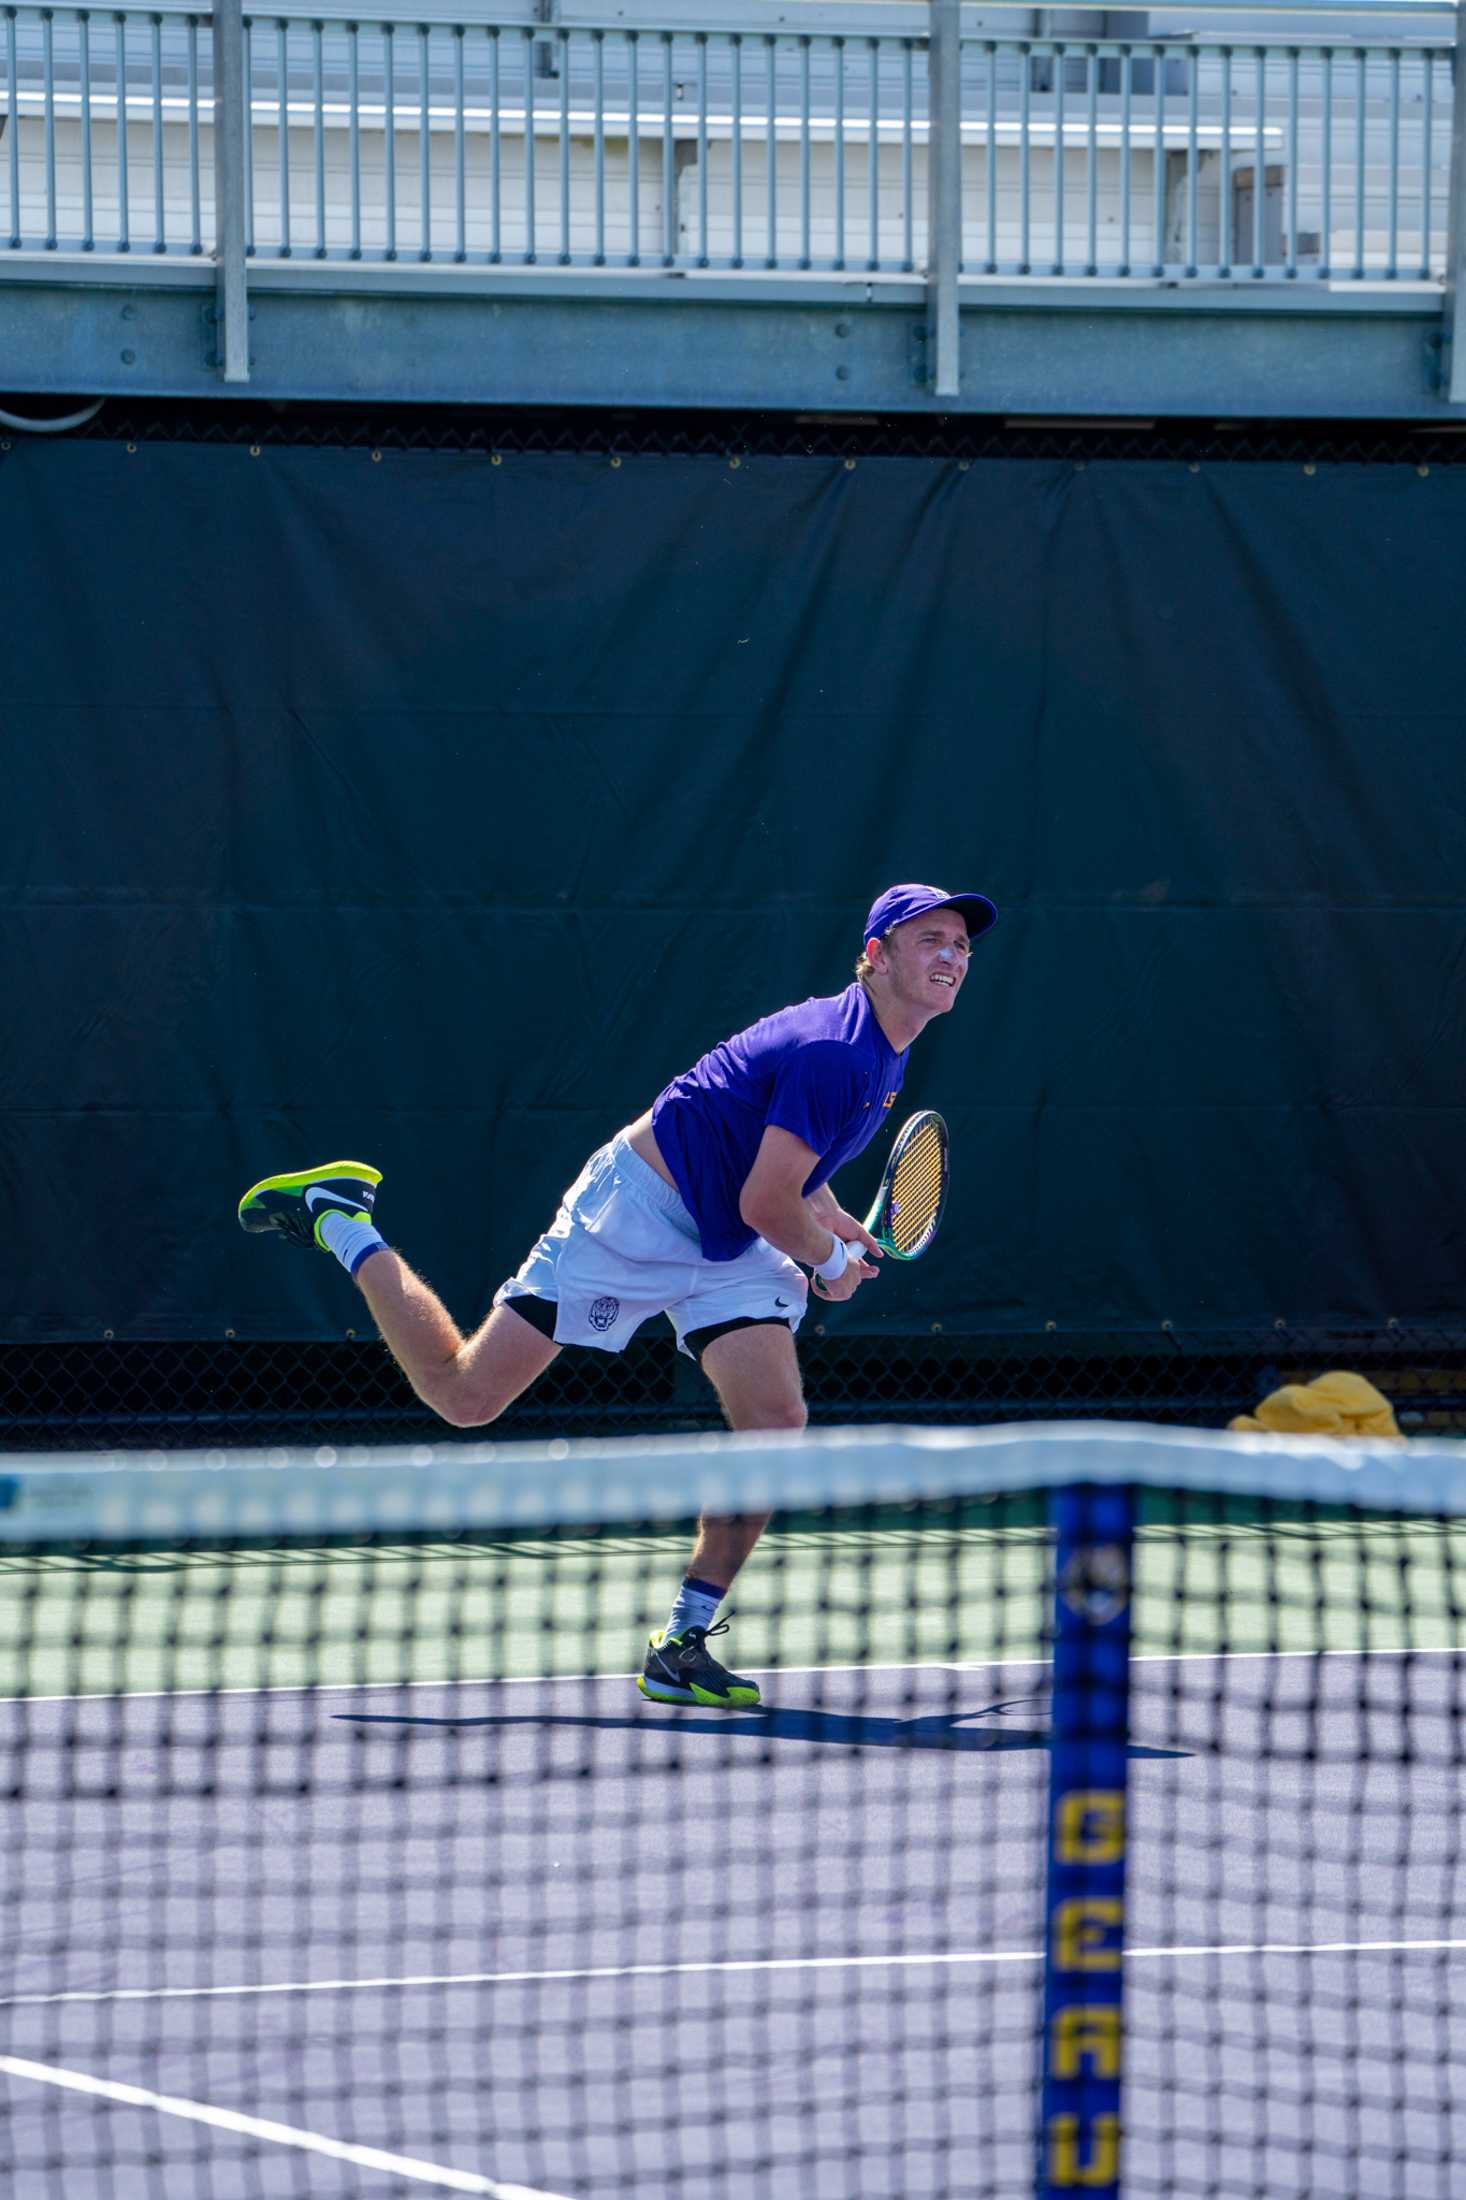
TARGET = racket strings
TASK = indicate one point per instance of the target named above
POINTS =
(916, 1189)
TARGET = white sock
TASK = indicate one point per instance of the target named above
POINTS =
(696, 1606)
(350, 1238)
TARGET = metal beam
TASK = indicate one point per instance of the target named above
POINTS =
(846, 18)
(231, 292)
(691, 288)
(424, 345)
(944, 196)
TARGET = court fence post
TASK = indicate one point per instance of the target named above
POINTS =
(1084, 1903)
(231, 288)
(944, 193)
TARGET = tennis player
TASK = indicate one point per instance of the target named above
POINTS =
(708, 1208)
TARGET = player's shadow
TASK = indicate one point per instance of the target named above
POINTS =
(945, 1730)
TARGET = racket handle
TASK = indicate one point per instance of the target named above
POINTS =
(854, 1250)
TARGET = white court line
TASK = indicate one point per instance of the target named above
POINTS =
(942, 1958)
(256, 2127)
(1368, 1650)
(485, 1680)
(551, 1680)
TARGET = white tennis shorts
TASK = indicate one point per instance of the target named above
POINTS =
(623, 1247)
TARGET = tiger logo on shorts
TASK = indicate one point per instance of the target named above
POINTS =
(603, 1313)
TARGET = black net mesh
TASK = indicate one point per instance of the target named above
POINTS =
(344, 1856)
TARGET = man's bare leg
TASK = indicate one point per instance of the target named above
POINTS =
(467, 1381)
(756, 1375)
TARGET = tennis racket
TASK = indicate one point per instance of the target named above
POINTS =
(908, 1207)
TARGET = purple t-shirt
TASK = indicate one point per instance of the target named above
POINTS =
(823, 1069)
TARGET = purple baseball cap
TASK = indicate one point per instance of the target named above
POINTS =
(898, 904)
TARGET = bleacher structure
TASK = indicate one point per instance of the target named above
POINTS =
(837, 204)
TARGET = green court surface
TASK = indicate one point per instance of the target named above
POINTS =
(571, 1604)
(969, 1586)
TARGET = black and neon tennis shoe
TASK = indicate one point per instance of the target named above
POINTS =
(294, 1205)
(681, 1670)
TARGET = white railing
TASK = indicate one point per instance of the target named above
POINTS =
(512, 144)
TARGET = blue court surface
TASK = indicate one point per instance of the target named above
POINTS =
(544, 1934)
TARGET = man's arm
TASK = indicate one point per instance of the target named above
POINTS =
(773, 1202)
(850, 1227)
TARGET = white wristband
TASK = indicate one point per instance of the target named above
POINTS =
(839, 1260)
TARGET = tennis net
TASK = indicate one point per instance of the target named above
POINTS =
(342, 1855)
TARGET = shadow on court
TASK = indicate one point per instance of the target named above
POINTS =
(942, 1730)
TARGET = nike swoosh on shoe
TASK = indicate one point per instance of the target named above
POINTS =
(314, 1192)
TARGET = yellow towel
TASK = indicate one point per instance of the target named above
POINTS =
(1338, 1404)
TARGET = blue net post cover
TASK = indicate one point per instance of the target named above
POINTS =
(1079, 2143)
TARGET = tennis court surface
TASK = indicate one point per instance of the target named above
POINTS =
(343, 1856)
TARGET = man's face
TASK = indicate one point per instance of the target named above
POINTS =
(926, 959)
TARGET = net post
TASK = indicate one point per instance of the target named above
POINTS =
(1079, 2123)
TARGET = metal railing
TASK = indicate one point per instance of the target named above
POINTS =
(929, 152)
(525, 145)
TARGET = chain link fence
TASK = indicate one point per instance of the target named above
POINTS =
(104, 1396)
(717, 434)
